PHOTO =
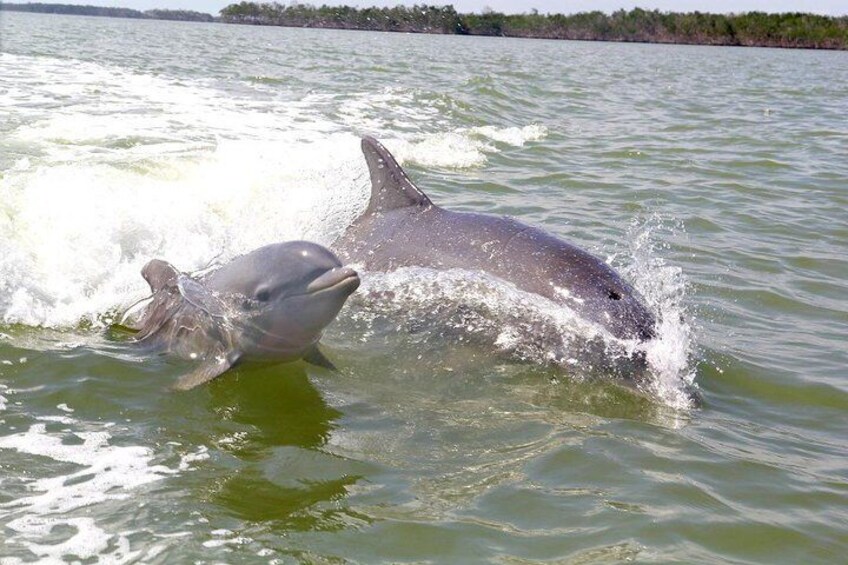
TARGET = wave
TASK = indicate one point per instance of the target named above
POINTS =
(456, 308)
(115, 167)
(47, 520)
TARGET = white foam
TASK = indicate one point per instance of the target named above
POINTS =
(399, 109)
(109, 467)
(118, 112)
(461, 148)
(515, 136)
(454, 149)
(126, 167)
(56, 419)
(391, 109)
(227, 537)
(186, 460)
(670, 356)
(105, 473)
(529, 327)
(88, 541)
(106, 222)
(525, 325)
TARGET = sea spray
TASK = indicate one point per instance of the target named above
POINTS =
(459, 308)
(671, 356)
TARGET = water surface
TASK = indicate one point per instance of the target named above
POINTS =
(713, 179)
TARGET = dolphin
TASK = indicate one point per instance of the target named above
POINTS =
(270, 306)
(401, 227)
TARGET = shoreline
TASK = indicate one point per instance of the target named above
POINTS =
(751, 29)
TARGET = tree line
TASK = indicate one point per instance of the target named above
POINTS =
(794, 29)
(637, 25)
(70, 9)
(417, 19)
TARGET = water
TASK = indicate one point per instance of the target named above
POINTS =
(714, 179)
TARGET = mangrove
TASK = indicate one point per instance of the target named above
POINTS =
(760, 29)
(752, 29)
(75, 10)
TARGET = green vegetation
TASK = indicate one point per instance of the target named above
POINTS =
(753, 28)
(419, 19)
(179, 15)
(637, 25)
(183, 15)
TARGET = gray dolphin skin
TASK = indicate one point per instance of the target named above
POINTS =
(270, 305)
(402, 227)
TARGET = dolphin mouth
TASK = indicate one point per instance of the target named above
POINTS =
(334, 279)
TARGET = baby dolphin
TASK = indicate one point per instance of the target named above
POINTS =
(270, 305)
(401, 227)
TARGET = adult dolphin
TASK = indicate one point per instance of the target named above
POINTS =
(402, 227)
(270, 305)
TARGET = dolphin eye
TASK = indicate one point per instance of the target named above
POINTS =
(614, 295)
(263, 294)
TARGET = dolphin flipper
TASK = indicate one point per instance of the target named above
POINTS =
(317, 358)
(390, 187)
(206, 371)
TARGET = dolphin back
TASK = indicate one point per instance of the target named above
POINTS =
(402, 227)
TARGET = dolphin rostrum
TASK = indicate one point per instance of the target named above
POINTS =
(270, 305)
(401, 227)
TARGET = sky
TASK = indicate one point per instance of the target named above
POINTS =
(827, 7)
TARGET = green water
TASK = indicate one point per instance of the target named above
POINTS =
(714, 179)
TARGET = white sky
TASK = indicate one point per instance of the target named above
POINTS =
(828, 7)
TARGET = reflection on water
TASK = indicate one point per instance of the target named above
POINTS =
(283, 478)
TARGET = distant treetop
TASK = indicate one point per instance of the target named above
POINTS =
(749, 29)
(637, 25)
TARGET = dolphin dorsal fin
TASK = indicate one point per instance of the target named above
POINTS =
(390, 187)
(159, 274)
